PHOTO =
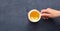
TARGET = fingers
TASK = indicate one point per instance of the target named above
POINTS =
(48, 10)
(46, 15)
(43, 11)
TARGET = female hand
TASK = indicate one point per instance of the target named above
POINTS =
(50, 13)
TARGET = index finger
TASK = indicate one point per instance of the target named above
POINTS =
(43, 11)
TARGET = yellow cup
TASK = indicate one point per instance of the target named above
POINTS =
(34, 15)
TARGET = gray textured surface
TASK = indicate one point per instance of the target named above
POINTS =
(13, 15)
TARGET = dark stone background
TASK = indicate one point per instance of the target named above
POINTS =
(13, 15)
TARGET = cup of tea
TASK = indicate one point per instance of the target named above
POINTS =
(34, 15)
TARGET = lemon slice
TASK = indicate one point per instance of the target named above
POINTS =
(34, 15)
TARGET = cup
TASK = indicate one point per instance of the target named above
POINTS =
(34, 15)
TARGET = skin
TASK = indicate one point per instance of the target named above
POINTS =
(50, 13)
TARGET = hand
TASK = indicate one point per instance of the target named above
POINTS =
(50, 13)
